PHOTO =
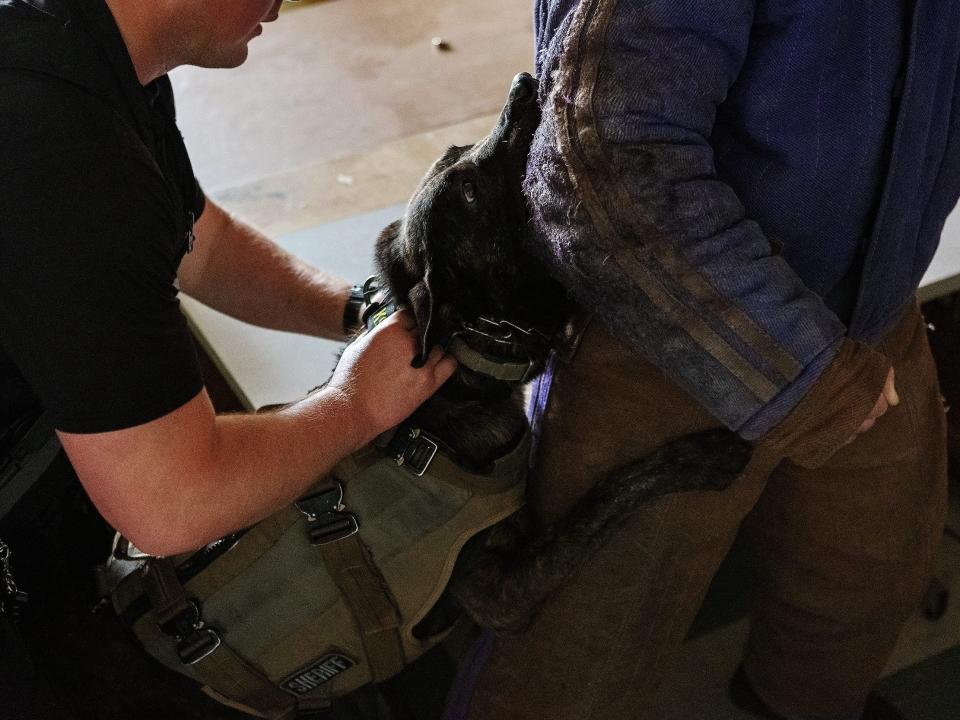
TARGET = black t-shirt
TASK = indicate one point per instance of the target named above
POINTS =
(94, 220)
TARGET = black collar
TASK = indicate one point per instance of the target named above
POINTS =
(498, 349)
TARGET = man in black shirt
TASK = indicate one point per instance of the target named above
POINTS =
(101, 222)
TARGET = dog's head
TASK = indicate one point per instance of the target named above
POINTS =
(458, 254)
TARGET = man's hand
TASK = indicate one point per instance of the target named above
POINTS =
(887, 399)
(376, 375)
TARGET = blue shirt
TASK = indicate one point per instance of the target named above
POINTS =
(735, 186)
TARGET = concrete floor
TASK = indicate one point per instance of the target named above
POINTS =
(339, 109)
(344, 77)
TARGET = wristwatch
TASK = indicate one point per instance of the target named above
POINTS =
(352, 310)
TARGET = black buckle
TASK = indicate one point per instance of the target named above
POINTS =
(327, 519)
(197, 645)
(411, 449)
(322, 502)
(195, 640)
(504, 332)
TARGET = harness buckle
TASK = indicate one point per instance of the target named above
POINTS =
(197, 645)
(321, 502)
(411, 449)
(195, 640)
(327, 519)
(331, 527)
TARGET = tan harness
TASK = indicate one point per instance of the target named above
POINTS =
(326, 595)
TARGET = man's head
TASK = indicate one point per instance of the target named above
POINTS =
(215, 33)
(163, 34)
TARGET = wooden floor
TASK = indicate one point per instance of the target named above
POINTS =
(340, 109)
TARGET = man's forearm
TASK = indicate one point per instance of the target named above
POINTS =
(257, 465)
(190, 480)
(237, 270)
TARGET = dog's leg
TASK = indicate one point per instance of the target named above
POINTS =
(504, 585)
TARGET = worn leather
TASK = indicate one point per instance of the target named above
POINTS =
(843, 552)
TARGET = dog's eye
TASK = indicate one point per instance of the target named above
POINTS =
(469, 192)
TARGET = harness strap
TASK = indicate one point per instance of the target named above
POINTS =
(401, 442)
(220, 667)
(349, 562)
(506, 472)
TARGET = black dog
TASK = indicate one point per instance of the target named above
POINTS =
(457, 259)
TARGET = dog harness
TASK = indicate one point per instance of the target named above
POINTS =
(342, 588)
(346, 586)
(328, 594)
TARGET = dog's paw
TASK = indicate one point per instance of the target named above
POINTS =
(708, 460)
(492, 596)
(507, 536)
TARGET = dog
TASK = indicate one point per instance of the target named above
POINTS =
(457, 260)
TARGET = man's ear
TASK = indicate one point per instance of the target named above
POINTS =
(421, 302)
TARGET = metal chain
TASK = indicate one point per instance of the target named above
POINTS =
(12, 599)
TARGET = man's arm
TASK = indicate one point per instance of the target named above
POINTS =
(235, 269)
(90, 316)
(634, 219)
(189, 477)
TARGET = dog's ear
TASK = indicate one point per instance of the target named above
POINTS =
(387, 250)
(421, 302)
(392, 231)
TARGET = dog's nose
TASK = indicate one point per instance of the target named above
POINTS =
(524, 88)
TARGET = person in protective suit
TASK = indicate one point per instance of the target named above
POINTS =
(746, 196)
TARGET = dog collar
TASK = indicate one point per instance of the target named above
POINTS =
(497, 349)
(471, 359)
(497, 355)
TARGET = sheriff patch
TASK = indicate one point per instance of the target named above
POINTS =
(312, 677)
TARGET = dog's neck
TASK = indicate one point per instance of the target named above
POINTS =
(478, 419)
(479, 414)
